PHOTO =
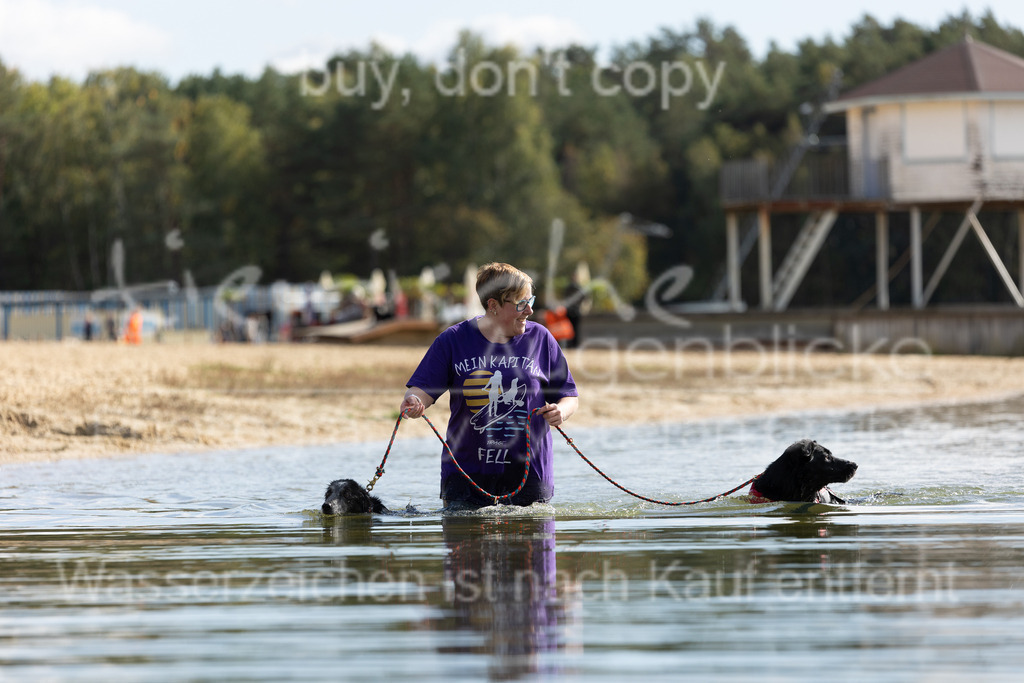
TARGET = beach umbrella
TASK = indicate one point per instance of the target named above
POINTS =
(378, 285)
(473, 305)
(427, 282)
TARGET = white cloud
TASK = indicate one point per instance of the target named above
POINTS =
(529, 31)
(526, 33)
(435, 41)
(314, 53)
(45, 37)
(301, 59)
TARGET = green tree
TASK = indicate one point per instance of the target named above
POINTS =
(222, 210)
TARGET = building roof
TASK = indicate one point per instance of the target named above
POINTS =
(964, 68)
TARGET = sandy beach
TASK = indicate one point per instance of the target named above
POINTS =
(73, 399)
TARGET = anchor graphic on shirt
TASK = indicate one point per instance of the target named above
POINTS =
(500, 401)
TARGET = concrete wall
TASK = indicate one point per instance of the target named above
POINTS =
(974, 331)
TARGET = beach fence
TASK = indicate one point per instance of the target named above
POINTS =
(60, 315)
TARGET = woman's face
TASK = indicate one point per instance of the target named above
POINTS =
(511, 321)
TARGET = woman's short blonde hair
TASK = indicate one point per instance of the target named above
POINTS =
(501, 282)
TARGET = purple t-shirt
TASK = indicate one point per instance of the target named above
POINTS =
(493, 389)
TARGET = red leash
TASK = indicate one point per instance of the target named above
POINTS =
(637, 495)
(529, 453)
(496, 499)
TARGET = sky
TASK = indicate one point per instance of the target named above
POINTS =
(42, 38)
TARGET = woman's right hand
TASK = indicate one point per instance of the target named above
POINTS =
(412, 406)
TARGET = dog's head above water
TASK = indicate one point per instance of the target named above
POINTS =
(802, 474)
(344, 496)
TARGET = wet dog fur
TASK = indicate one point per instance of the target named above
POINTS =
(802, 474)
(345, 496)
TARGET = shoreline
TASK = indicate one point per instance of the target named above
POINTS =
(64, 400)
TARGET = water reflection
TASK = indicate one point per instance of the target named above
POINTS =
(495, 592)
(214, 567)
(347, 530)
(500, 576)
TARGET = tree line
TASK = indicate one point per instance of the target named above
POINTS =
(454, 163)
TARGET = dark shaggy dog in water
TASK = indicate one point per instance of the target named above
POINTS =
(344, 496)
(802, 474)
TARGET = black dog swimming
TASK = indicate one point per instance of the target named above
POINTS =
(802, 474)
(345, 496)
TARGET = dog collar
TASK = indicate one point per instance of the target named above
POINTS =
(756, 496)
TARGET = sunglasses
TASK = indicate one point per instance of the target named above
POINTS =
(523, 303)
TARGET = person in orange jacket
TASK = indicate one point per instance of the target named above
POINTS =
(133, 331)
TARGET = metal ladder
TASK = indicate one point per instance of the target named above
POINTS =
(806, 246)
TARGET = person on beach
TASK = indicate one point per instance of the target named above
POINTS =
(133, 329)
(498, 368)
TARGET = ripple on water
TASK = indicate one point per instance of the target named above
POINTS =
(221, 566)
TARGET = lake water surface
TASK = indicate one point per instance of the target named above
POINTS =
(218, 567)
